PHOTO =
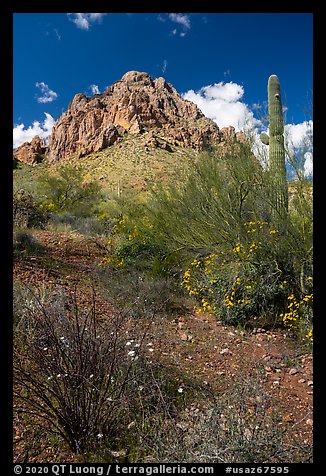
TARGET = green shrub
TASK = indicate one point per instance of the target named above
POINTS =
(243, 283)
(246, 260)
(84, 225)
(132, 242)
(67, 190)
(26, 212)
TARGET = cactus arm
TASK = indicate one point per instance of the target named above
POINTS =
(264, 138)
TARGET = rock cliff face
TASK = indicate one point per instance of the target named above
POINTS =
(31, 152)
(133, 105)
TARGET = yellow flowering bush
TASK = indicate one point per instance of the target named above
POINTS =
(130, 242)
(241, 282)
(297, 317)
(111, 261)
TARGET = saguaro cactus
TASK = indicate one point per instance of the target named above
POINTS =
(275, 140)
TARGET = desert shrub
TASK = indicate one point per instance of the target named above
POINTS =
(72, 371)
(240, 426)
(244, 260)
(246, 282)
(209, 204)
(298, 316)
(142, 294)
(85, 377)
(26, 212)
(67, 190)
(91, 226)
(25, 243)
(132, 242)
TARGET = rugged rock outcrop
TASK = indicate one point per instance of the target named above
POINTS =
(30, 152)
(135, 104)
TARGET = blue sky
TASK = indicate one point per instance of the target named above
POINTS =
(221, 61)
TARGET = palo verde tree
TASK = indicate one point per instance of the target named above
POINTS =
(67, 190)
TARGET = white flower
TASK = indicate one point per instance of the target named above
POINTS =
(100, 435)
(128, 343)
(131, 353)
(137, 345)
(180, 389)
(149, 344)
(50, 378)
(150, 350)
(91, 376)
(62, 338)
(59, 375)
(45, 348)
(141, 387)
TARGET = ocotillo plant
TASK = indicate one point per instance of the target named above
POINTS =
(275, 140)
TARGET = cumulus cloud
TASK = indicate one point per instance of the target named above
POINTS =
(84, 20)
(299, 142)
(22, 134)
(298, 139)
(47, 94)
(299, 135)
(308, 164)
(222, 103)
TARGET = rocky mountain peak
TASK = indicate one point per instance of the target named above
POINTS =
(137, 77)
(133, 105)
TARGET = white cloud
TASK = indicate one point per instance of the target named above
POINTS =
(183, 20)
(44, 129)
(47, 94)
(308, 165)
(84, 20)
(94, 89)
(299, 135)
(221, 102)
(180, 19)
(299, 140)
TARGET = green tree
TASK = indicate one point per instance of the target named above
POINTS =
(68, 191)
(211, 203)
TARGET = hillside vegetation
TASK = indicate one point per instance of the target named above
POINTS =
(162, 311)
